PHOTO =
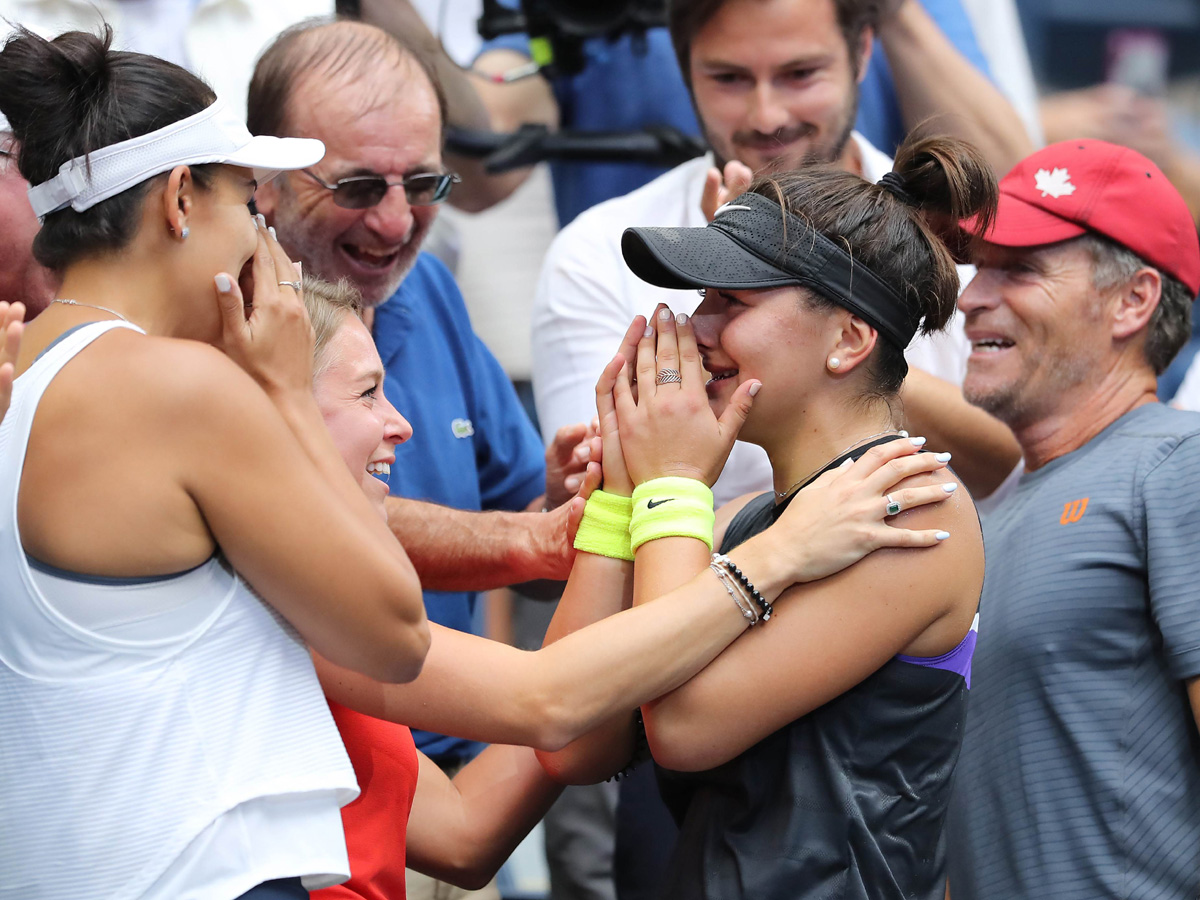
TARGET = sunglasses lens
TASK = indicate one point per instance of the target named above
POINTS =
(359, 193)
(426, 190)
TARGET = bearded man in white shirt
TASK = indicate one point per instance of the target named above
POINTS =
(775, 85)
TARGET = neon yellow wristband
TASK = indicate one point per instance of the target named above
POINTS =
(672, 507)
(604, 528)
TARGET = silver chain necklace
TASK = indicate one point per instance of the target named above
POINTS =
(90, 306)
(782, 494)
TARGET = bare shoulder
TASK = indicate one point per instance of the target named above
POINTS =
(944, 580)
(140, 376)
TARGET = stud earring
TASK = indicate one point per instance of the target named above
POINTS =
(183, 234)
(834, 362)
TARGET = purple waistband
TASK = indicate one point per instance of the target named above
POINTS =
(957, 660)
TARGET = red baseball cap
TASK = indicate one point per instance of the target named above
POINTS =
(1072, 187)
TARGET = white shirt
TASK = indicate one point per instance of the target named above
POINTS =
(219, 40)
(161, 739)
(587, 297)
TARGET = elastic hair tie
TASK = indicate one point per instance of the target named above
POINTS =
(896, 185)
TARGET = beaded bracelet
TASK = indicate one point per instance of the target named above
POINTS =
(763, 604)
(740, 600)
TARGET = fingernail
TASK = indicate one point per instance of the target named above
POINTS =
(262, 221)
(847, 463)
(942, 535)
(224, 284)
(902, 433)
(754, 388)
(649, 331)
(950, 487)
(681, 319)
(941, 457)
(572, 483)
(271, 230)
(664, 314)
(918, 441)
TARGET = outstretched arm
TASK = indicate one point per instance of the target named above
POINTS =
(461, 830)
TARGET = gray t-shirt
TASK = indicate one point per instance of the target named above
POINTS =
(1080, 771)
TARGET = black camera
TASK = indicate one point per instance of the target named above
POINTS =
(558, 28)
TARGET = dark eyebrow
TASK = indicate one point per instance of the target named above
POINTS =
(799, 62)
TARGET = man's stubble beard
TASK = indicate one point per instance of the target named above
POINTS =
(818, 153)
(321, 258)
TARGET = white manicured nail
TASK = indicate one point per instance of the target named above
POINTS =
(681, 319)
(950, 487)
(941, 457)
(224, 285)
(649, 331)
(754, 388)
(942, 535)
(664, 314)
(918, 441)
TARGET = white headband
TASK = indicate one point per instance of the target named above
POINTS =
(214, 135)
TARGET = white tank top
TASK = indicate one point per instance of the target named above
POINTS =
(159, 738)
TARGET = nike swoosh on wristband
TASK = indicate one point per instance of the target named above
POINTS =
(650, 504)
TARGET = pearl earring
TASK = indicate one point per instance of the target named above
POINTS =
(183, 234)
(834, 362)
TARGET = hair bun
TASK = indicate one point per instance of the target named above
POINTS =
(947, 177)
(55, 96)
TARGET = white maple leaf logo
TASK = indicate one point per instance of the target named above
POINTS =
(1054, 184)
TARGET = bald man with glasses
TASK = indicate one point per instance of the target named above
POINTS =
(361, 214)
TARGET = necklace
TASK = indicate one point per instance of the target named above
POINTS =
(90, 306)
(782, 494)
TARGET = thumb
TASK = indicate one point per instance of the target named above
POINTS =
(710, 199)
(735, 413)
(737, 178)
(229, 298)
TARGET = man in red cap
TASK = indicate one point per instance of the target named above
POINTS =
(1080, 770)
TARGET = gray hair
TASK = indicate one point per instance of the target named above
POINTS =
(1170, 325)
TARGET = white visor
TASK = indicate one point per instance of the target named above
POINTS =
(214, 135)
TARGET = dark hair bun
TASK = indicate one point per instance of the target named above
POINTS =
(949, 179)
(72, 95)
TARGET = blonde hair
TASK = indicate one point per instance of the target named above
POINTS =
(327, 306)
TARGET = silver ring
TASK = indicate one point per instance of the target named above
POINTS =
(893, 506)
(668, 376)
(294, 285)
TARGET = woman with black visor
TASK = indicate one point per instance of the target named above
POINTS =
(814, 756)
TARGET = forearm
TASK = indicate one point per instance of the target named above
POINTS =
(461, 550)
(935, 81)
(984, 448)
(463, 830)
(649, 651)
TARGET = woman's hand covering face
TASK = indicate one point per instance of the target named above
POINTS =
(668, 427)
(267, 331)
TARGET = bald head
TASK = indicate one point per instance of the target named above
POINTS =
(326, 58)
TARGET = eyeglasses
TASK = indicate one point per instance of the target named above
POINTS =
(365, 191)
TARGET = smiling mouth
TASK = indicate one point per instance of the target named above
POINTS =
(990, 345)
(722, 376)
(380, 470)
(371, 258)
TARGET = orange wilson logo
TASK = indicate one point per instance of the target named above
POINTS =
(1073, 511)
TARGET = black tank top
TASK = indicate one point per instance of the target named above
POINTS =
(846, 802)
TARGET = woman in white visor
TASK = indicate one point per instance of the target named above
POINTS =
(162, 731)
